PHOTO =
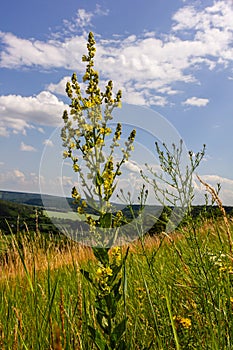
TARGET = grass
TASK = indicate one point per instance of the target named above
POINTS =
(178, 291)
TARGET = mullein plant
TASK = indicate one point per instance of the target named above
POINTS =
(84, 136)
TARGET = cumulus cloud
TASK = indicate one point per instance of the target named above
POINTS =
(3, 131)
(19, 113)
(48, 142)
(81, 22)
(226, 192)
(132, 166)
(41, 130)
(147, 66)
(141, 64)
(84, 18)
(17, 180)
(195, 101)
(27, 148)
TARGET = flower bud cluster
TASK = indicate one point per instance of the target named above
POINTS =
(103, 273)
(116, 256)
(84, 133)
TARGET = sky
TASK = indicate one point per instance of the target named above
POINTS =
(170, 58)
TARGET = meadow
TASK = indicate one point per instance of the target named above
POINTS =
(177, 290)
(162, 291)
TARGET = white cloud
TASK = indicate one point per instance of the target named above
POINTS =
(144, 66)
(41, 130)
(83, 18)
(80, 23)
(60, 87)
(17, 180)
(132, 166)
(27, 148)
(19, 113)
(195, 101)
(3, 131)
(48, 143)
(17, 173)
(226, 192)
(214, 179)
(53, 53)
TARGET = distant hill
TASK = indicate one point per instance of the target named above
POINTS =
(18, 207)
(35, 199)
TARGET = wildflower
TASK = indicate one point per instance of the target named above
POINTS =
(116, 256)
(99, 142)
(108, 271)
(183, 321)
(66, 154)
(99, 272)
(80, 210)
(76, 167)
(75, 194)
(72, 145)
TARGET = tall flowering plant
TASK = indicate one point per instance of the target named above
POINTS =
(84, 136)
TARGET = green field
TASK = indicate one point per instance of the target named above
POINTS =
(178, 291)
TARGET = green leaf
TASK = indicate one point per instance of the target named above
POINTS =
(119, 330)
(86, 274)
(106, 220)
(101, 255)
(97, 338)
(99, 179)
(115, 289)
(122, 345)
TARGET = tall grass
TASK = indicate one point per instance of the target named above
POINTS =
(178, 291)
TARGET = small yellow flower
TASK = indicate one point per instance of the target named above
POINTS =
(84, 204)
(116, 256)
(99, 272)
(99, 142)
(80, 210)
(66, 154)
(186, 322)
(76, 167)
(183, 321)
(108, 271)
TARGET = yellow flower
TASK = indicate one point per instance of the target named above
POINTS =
(76, 167)
(80, 210)
(108, 271)
(183, 321)
(186, 322)
(99, 271)
(66, 154)
(116, 256)
(99, 142)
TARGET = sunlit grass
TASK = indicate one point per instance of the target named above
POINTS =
(179, 292)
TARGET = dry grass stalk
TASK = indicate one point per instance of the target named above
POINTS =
(1, 337)
(216, 198)
(62, 315)
(51, 332)
(57, 344)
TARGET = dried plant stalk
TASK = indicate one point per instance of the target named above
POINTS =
(216, 198)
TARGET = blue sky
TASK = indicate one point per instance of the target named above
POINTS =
(175, 57)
